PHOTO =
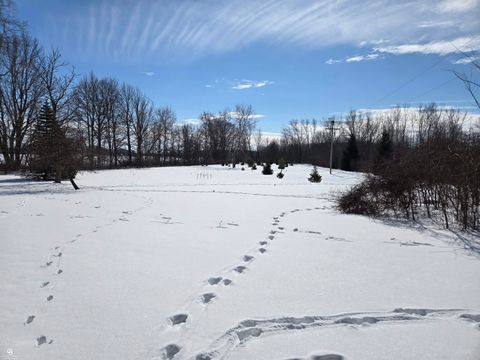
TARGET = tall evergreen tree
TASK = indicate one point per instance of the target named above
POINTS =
(384, 146)
(350, 155)
(53, 154)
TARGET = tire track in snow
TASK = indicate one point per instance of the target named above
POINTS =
(249, 329)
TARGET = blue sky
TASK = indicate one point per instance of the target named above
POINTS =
(290, 59)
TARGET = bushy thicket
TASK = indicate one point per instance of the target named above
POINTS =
(436, 173)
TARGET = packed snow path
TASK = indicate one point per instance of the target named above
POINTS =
(219, 263)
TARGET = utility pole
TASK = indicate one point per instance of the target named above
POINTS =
(332, 135)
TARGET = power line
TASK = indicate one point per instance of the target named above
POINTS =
(415, 77)
(408, 82)
(432, 89)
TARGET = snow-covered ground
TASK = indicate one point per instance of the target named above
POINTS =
(219, 263)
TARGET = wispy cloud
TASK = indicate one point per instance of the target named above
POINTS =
(129, 31)
(467, 60)
(449, 6)
(252, 116)
(249, 84)
(362, 58)
(436, 24)
(190, 121)
(351, 59)
(148, 73)
(443, 47)
(333, 61)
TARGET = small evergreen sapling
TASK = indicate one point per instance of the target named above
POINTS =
(267, 169)
(315, 176)
(280, 175)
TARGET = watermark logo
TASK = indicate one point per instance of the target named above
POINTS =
(7, 353)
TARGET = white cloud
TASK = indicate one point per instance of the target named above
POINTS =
(191, 121)
(208, 86)
(443, 47)
(268, 137)
(148, 73)
(333, 61)
(458, 5)
(373, 42)
(467, 60)
(437, 24)
(253, 116)
(357, 58)
(249, 84)
(362, 58)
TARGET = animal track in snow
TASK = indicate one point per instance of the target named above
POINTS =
(45, 284)
(203, 357)
(214, 280)
(243, 334)
(240, 269)
(334, 238)
(170, 351)
(178, 319)
(29, 319)
(43, 340)
(414, 243)
(207, 297)
(59, 271)
(327, 357)
(49, 297)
